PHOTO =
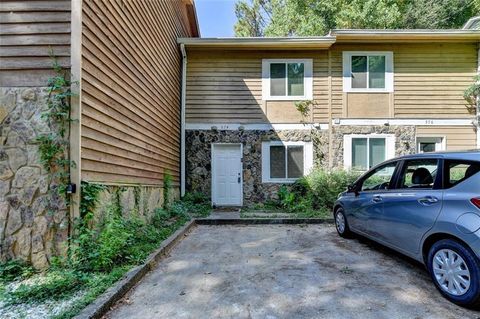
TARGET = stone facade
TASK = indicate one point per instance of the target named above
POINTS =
(404, 138)
(33, 223)
(198, 157)
(198, 153)
(133, 201)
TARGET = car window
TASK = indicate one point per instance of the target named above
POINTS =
(380, 178)
(419, 173)
(457, 171)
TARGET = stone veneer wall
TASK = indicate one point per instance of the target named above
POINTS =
(198, 157)
(198, 153)
(33, 224)
(404, 138)
(133, 201)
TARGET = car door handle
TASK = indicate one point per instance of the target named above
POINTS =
(428, 200)
(377, 199)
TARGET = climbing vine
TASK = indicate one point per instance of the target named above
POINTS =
(303, 107)
(54, 145)
(167, 189)
(472, 96)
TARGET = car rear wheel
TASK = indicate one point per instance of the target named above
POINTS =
(455, 270)
(341, 223)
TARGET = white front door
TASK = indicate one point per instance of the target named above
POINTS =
(227, 175)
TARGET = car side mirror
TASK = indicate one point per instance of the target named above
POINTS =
(352, 188)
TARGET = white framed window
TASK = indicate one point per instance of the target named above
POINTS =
(287, 79)
(427, 144)
(367, 71)
(363, 151)
(285, 162)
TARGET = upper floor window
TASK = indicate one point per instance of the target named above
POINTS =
(287, 79)
(367, 71)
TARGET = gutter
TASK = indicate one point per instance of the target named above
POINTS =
(182, 119)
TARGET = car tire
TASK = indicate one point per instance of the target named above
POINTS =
(439, 256)
(341, 223)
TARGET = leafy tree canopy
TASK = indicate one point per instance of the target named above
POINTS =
(317, 17)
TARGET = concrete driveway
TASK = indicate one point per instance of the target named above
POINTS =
(284, 271)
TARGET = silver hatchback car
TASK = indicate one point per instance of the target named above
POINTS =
(426, 206)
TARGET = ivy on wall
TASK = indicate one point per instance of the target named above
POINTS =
(54, 146)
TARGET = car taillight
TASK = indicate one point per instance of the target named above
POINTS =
(476, 201)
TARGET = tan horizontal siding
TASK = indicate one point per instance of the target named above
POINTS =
(227, 87)
(430, 83)
(457, 137)
(131, 90)
(29, 31)
(429, 80)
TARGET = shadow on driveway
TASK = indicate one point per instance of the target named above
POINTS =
(284, 271)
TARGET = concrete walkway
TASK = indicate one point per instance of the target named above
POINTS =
(284, 271)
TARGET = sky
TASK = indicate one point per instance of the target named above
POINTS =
(216, 17)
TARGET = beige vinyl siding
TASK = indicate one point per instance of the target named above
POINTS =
(429, 79)
(131, 68)
(28, 31)
(457, 137)
(226, 87)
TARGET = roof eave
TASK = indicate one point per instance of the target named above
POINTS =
(255, 43)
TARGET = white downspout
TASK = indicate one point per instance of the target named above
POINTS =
(182, 120)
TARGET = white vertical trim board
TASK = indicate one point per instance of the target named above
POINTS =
(182, 120)
(307, 160)
(347, 71)
(347, 146)
(307, 80)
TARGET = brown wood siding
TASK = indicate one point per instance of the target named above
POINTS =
(226, 87)
(457, 137)
(131, 75)
(28, 31)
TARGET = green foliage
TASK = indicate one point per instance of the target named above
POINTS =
(317, 17)
(167, 189)
(89, 193)
(54, 145)
(15, 269)
(303, 107)
(56, 284)
(196, 204)
(324, 186)
(472, 94)
(99, 255)
(315, 194)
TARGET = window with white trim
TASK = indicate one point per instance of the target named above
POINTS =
(426, 144)
(368, 71)
(284, 162)
(362, 152)
(287, 79)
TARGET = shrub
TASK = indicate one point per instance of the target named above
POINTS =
(324, 186)
(315, 194)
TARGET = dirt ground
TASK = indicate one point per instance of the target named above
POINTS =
(284, 271)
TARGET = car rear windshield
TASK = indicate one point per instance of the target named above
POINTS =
(457, 171)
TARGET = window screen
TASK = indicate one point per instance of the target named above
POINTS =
(277, 161)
